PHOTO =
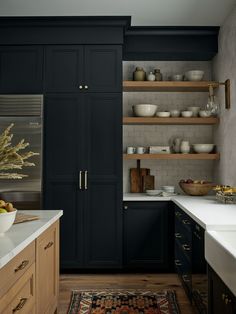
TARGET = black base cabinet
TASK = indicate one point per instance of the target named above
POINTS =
(190, 260)
(221, 299)
(148, 235)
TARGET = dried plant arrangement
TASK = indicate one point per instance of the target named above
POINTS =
(11, 157)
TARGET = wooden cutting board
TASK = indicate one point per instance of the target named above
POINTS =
(24, 217)
(148, 183)
(136, 175)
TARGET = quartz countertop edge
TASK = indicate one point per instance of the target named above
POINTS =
(204, 210)
(19, 236)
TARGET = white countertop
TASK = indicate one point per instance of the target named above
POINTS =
(205, 210)
(21, 235)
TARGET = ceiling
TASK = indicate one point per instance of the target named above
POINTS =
(143, 12)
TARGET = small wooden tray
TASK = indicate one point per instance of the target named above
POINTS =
(24, 217)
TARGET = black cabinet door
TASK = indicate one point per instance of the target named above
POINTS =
(221, 300)
(63, 158)
(21, 69)
(103, 197)
(147, 235)
(103, 68)
(64, 68)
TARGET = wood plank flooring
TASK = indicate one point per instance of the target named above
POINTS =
(155, 282)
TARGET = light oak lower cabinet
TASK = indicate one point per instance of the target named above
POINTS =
(29, 282)
(47, 270)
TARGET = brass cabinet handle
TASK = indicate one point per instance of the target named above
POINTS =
(186, 278)
(186, 222)
(178, 214)
(80, 180)
(22, 265)
(223, 296)
(178, 235)
(20, 305)
(86, 179)
(227, 300)
(48, 245)
(177, 262)
(186, 247)
(80, 86)
(86, 86)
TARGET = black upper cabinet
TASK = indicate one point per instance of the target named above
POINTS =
(148, 235)
(21, 69)
(90, 68)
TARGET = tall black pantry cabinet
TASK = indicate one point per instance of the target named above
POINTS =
(83, 151)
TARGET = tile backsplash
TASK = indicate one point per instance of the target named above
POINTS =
(167, 172)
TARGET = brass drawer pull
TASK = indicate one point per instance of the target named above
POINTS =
(178, 214)
(48, 245)
(20, 305)
(185, 222)
(177, 262)
(186, 247)
(178, 235)
(22, 266)
(186, 278)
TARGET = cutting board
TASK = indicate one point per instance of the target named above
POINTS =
(148, 183)
(136, 181)
(24, 217)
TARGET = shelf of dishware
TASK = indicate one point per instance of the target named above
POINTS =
(170, 121)
(203, 156)
(169, 86)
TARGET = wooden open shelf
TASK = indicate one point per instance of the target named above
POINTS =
(169, 121)
(169, 86)
(215, 156)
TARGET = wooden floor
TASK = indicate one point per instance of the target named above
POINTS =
(121, 281)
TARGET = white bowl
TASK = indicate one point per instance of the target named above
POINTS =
(175, 113)
(203, 148)
(204, 113)
(163, 114)
(177, 77)
(6, 221)
(153, 192)
(194, 75)
(144, 110)
(187, 114)
(195, 110)
(168, 188)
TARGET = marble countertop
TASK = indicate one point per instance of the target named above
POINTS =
(205, 210)
(21, 235)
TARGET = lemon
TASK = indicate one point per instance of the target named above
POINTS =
(3, 211)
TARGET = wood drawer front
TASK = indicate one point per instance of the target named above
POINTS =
(10, 273)
(21, 297)
(47, 270)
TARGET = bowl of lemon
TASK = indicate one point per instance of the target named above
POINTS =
(7, 216)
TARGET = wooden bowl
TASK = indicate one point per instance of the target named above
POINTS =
(196, 189)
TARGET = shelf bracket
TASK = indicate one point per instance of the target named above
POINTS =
(226, 84)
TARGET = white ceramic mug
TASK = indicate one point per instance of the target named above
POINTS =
(130, 150)
(141, 150)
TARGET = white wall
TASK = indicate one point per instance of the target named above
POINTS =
(224, 67)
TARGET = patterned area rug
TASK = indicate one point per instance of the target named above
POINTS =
(123, 302)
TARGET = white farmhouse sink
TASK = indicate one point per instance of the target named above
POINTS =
(220, 253)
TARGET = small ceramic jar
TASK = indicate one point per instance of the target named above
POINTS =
(158, 75)
(139, 74)
(151, 77)
(185, 147)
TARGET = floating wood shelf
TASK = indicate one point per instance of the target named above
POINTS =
(172, 156)
(169, 121)
(169, 86)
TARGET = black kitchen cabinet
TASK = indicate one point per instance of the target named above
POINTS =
(148, 235)
(221, 299)
(83, 166)
(21, 69)
(189, 259)
(79, 68)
